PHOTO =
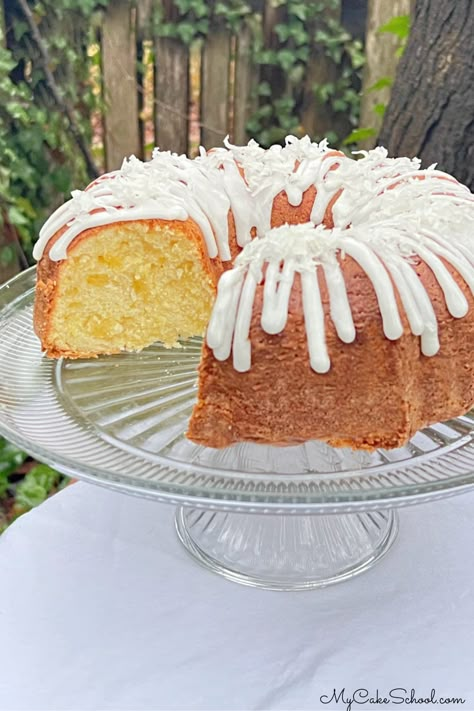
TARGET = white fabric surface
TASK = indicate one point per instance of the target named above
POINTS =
(101, 608)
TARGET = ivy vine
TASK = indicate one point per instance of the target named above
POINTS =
(307, 28)
(190, 20)
(39, 159)
(304, 27)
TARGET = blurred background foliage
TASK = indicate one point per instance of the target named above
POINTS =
(23, 483)
(84, 82)
(306, 60)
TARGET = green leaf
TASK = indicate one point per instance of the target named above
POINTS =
(296, 74)
(264, 89)
(359, 134)
(7, 255)
(339, 105)
(299, 10)
(324, 91)
(4, 485)
(302, 53)
(10, 458)
(286, 58)
(26, 208)
(265, 111)
(16, 217)
(379, 109)
(16, 110)
(36, 486)
(20, 28)
(186, 32)
(61, 179)
(282, 32)
(267, 56)
(285, 104)
(398, 25)
(382, 83)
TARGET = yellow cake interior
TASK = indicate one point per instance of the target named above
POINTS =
(128, 286)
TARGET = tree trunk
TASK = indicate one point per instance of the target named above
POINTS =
(432, 107)
(380, 62)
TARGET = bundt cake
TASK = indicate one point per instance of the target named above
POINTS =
(337, 282)
(327, 335)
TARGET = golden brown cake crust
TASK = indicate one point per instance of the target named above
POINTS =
(378, 392)
(283, 213)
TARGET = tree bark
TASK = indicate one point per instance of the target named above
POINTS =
(431, 113)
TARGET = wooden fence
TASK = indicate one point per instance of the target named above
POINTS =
(223, 95)
(224, 92)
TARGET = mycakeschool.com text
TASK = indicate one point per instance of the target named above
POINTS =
(350, 700)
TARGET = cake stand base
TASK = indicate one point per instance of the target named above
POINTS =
(286, 552)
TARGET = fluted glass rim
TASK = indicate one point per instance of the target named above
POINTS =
(276, 492)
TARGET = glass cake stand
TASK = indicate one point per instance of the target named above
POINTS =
(282, 518)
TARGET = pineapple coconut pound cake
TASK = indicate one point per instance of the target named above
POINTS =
(335, 294)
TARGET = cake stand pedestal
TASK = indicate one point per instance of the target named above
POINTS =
(286, 553)
(281, 518)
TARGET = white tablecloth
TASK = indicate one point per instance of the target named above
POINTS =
(101, 608)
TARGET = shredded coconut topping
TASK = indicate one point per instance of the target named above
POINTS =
(384, 250)
(385, 211)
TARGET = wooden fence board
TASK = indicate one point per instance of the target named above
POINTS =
(171, 94)
(215, 88)
(144, 20)
(119, 79)
(243, 85)
(144, 34)
(318, 118)
(275, 76)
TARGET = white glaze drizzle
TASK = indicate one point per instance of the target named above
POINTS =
(385, 252)
(340, 309)
(168, 187)
(290, 169)
(386, 211)
(277, 295)
(241, 342)
(204, 189)
(175, 187)
(314, 322)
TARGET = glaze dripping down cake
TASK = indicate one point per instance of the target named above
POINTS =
(344, 308)
(342, 332)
